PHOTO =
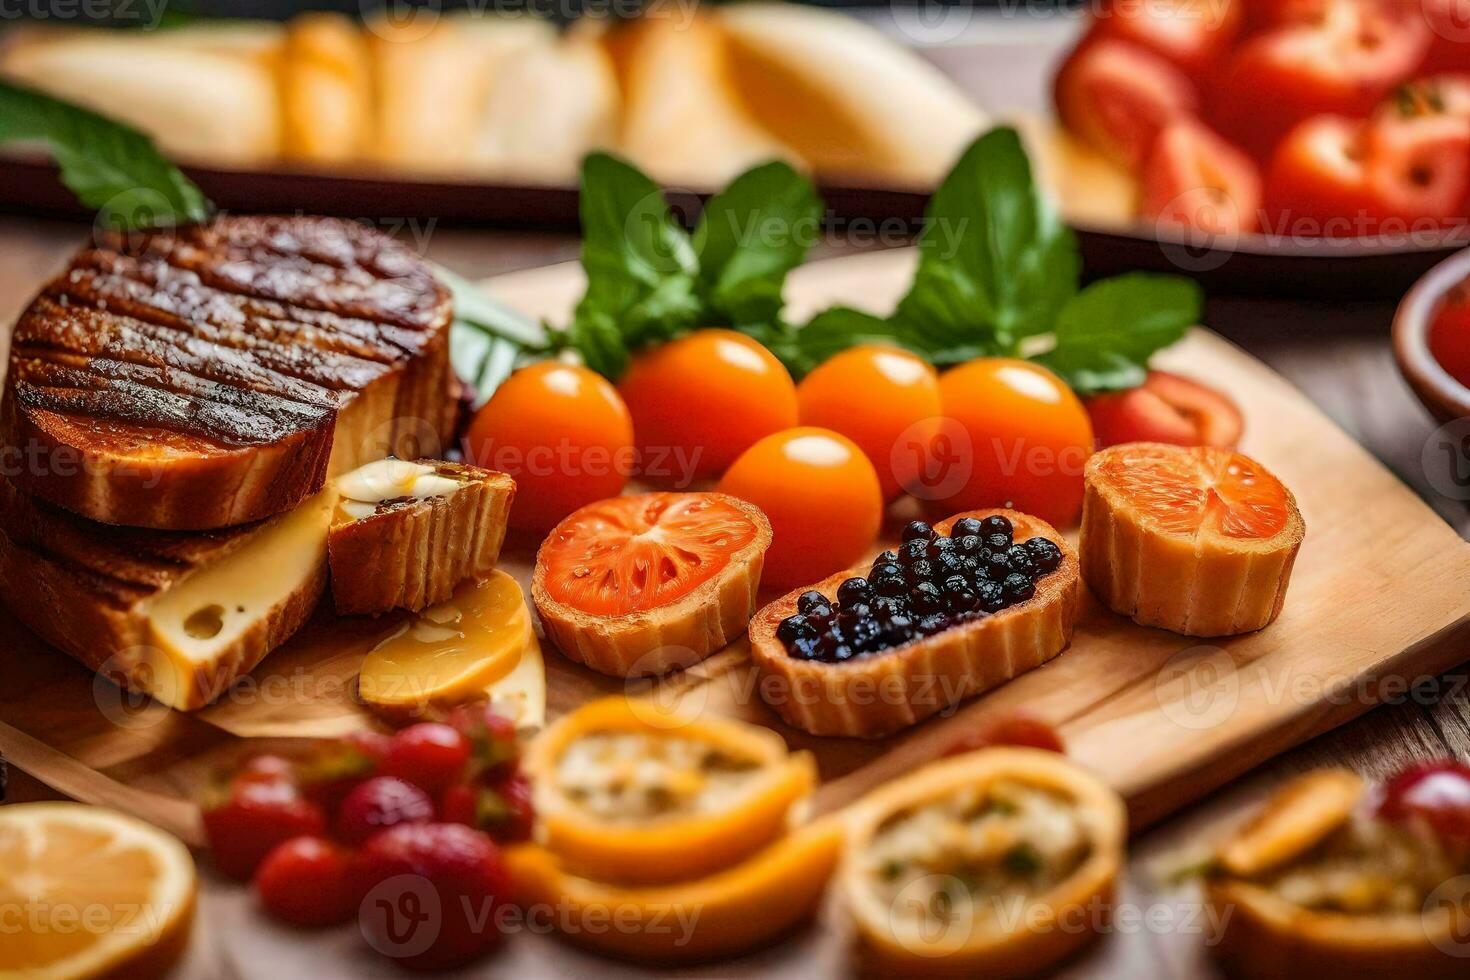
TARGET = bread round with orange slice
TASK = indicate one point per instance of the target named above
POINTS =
(958, 609)
(941, 865)
(1319, 883)
(641, 585)
(1197, 540)
(633, 792)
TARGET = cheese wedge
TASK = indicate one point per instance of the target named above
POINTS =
(173, 615)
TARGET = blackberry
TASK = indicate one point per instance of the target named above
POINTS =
(794, 628)
(1019, 558)
(821, 616)
(996, 541)
(920, 571)
(1018, 588)
(917, 531)
(912, 551)
(866, 635)
(886, 558)
(853, 591)
(970, 544)
(966, 527)
(812, 600)
(992, 596)
(995, 524)
(890, 585)
(1046, 555)
(804, 649)
(927, 598)
(887, 607)
(996, 567)
(970, 568)
(941, 546)
(956, 583)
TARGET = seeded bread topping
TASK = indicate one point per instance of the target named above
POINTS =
(985, 846)
(634, 776)
(1367, 867)
(932, 583)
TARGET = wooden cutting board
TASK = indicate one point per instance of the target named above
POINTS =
(1380, 597)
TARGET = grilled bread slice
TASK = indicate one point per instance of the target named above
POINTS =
(217, 375)
(405, 534)
(176, 615)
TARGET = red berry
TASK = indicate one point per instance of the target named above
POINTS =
(432, 894)
(1016, 728)
(307, 881)
(266, 769)
(503, 809)
(380, 803)
(492, 737)
(519, 816)
(253, 819)
(429, 754)
(374, 745)
(1438, 793)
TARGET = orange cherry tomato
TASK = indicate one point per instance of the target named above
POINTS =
(1014, 436)
(822, 498)
(562, 432)
(882, 398)
(702, 400)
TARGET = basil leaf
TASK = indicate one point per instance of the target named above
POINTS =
(478, 310)
(750, 236)
(108, 166)
(833, 331)
(996, 264)
(1106, 333)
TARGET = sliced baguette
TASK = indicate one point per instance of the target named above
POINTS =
(880, 693)
(850, 101)
(137, 606)
(405, 534)
(217, 375)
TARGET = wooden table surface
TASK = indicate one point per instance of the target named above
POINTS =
(1339, 355)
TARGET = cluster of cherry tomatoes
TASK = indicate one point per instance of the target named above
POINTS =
(823, 458)
(1291, 117)
(320, 835)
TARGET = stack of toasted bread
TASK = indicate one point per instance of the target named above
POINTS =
(692, 96)
(177, 407)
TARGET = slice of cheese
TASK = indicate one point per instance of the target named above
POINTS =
(521, 694)
(198, 628)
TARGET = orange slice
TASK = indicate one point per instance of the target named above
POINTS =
(1198, 540)
(98, 893)
(641, 585)
(630, 791)
(450, 652)
(729, 912)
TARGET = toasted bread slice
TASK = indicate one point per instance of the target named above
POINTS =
(326, 90)
(175, 615)
(217, 375)
(880, 693)
(405, 534)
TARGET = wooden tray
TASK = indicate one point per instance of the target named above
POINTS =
(1379, 598)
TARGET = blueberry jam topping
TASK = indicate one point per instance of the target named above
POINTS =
(931, 583)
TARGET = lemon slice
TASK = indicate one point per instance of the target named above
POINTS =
(450, 652)
(90, 892)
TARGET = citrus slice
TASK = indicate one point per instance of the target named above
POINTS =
(450, 652)
(940, 865)
(726, 913)
(1198, 540)
(644, 584)
(92, 892)
(630, 791)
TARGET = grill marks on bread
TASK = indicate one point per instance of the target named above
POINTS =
(242, 332)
